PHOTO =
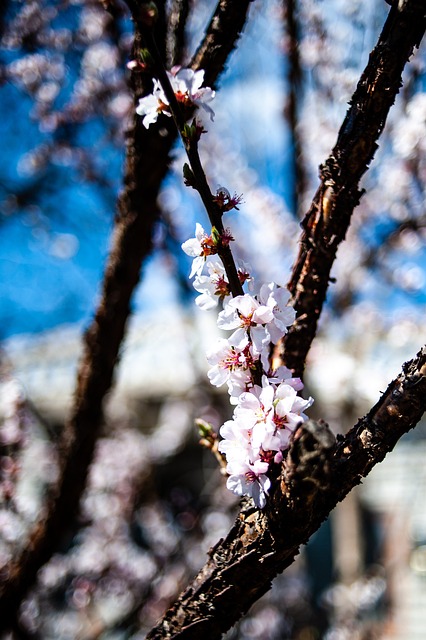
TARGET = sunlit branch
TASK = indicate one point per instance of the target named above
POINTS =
(328, 218)
(176, 40)
(199, 177)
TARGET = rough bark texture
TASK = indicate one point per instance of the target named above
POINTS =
(328, 218)
(228, 19)
(147, 160)
(317, 474)
(176, 40)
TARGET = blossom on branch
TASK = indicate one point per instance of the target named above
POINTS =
(259, 432)
(277, 299)
(284, 374)
(151, 106)
(199, 248)
(248, 318)
(233, 366)
(186, 85)
(214, 288)
(265, 414)
(250, 480)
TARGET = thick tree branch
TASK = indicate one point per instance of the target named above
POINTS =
(318, 473)
(147, 160)
(176, 40)
(221, 37)
(294, 75)
(329, 216)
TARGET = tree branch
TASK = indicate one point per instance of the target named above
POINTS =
(220, 40)
(294, 77)
(176, 40)
(318, 473)
(328, 218)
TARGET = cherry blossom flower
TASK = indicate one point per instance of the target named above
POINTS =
(240, 381)
(186, 85)
(249, 479)
(284, 374)
(255, 409)
(256, 405)
(247, 317)
(152, 105)
(260, 430)
(199, 248)
(133, 65)
(277, 298)
(213, 287)
(232, 366)
(244, 274)
(236, 444)
(226, 237)
(289, 407)
(264, 416)
(226, 359)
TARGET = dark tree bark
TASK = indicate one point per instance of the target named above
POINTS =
(220, 40)
(176, 40)
(329, 216)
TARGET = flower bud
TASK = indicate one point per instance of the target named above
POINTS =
(205, 429)
(215, 236)
(145, 57)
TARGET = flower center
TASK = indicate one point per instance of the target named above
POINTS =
(246, 321)
(250, 476)
(280, 422)
(266, 456)
(183, 98)
(233, 361)
(208, 247)
(222, 288)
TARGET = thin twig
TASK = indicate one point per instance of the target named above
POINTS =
(191, 147)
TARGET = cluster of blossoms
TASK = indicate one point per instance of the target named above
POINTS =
(268, 407)
(187, 88)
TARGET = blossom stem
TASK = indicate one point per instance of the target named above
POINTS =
(191, 148)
